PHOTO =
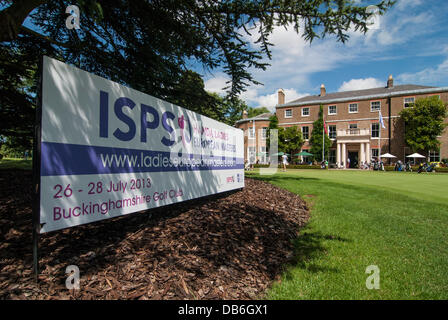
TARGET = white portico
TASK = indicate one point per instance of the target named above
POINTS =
(353, 140)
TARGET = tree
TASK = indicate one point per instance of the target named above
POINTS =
(290, 139)
(232, 109)
(273, 125)
(424, 122)
(149, 45)
(253, 112)
(293, 140)
(14, 146)
(316, 140)
(189, 93)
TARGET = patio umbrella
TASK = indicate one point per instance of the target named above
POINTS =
(280, 154)
(304, 154)
(415, 155)
(387, 155)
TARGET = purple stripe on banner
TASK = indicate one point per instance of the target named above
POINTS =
(73, 159)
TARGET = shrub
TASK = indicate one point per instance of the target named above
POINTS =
(290, 166)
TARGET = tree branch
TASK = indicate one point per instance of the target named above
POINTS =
(13, 16)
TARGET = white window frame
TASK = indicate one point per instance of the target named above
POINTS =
(357, 107)
(371, 130)
(264, 133)
(335, 130)
(307, 133)
(286, 116)
(372, 153)
(251, 133)
(432, 154)
(306, 115)
(404, 101)
(335, 110)
(371, 104)
(331, 156)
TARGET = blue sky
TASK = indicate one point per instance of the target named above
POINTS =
(411, 43)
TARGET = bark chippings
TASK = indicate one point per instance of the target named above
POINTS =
(229, 247)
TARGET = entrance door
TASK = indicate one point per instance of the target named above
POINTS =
(353, 156)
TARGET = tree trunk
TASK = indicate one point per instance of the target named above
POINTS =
(12, 17)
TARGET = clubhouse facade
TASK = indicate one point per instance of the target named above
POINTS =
(352, 120)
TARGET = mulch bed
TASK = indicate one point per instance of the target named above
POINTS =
(230, 247)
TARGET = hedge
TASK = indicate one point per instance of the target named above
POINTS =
(290, 166)
(305, 166)
(415, 169)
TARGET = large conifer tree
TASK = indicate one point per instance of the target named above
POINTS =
(317, 136)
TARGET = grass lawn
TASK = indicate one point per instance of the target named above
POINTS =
(12, 163)
(397, 221)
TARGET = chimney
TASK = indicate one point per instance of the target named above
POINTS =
(244, 114)
(390, 82)
(322, 90)
(281, 96)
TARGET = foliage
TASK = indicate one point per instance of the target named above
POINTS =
(316, 138)
(15, 146)
(189, 93)
(424, 122)
(291, 166)
(292, 140)
(150, 45)
(253, 112)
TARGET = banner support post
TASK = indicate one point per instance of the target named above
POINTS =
(36, 174)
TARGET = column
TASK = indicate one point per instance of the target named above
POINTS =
(362, 153)
(338, 154)
(344, 156)
(368, 157)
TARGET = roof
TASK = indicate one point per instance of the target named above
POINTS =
(263, 116)
(360, 94)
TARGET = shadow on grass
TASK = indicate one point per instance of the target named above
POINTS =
(15, 164)
(308, 247)
(279, 179)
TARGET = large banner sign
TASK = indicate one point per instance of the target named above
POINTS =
(108, 150)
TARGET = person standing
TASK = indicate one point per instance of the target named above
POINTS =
(348, 162)
(284, 161)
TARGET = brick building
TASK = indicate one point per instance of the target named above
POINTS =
(255, 137)
(352, 120)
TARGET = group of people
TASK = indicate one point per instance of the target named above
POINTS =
(399, 166)
(364, 165)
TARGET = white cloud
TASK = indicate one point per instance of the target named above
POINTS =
(255, 99)
(427, 76)
(360, 84)
(216, 84)
(407, 4)
(295, 62)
